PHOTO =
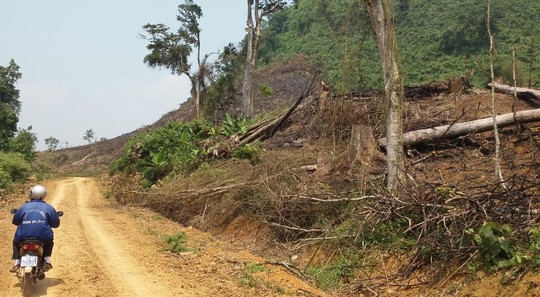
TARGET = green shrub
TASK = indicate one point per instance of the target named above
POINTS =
(5, 180)
(231, 126)
(176, 243)
(13, 167)
(332, 276)
(157, 153)
(251, 152)
(494, 244)
(265, 90)
(255, 267)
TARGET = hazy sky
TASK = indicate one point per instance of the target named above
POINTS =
(82, 62)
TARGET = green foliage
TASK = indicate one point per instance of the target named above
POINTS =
(534, 246)
(437, 40)
(332, 276)
(445, 192)
(387, 235)
(175, 147)
(250, 151)
(89, 135)
(8, 125)
(5, 180)
(265, 90)
(232, 125)
(13, 167)
(25, 143)
(170, 49)
(9, 94)
(176, 243)
(255, 267)
(222, 91)
(494, 244)
(9, 103)
(51, 143)
(248, 278)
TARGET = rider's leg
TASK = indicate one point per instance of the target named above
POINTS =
(47, 252)
(15, 257)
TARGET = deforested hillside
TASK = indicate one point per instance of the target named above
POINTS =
(302, 183)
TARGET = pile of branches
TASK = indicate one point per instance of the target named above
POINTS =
(441, 220)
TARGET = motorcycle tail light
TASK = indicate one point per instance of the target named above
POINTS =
(30, 246)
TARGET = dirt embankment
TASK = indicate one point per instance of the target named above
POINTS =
(102, 249)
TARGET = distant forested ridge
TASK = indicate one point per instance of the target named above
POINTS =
(438, 40)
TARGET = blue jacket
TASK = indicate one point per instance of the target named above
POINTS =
(35, 219)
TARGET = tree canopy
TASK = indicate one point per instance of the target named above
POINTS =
(171, 49)
(437, 40)
(9, 103)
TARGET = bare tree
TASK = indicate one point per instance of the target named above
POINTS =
(257, 11)
(382, 17)
(498, 172)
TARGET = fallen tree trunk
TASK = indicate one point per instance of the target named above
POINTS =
(524, 93)
(431, 135)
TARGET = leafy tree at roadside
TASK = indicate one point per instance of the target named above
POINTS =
(13, 167)
(9, 103)
(17, 148)
(25, 143)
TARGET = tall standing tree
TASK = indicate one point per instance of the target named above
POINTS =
(256, 12)
(51, 143)
(89, 135)
(382, 18)
(9, 103)
(172, 49)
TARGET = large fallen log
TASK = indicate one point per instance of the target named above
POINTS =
(523, 93)
(432, 135)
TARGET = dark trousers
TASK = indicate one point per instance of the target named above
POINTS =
(47, 249)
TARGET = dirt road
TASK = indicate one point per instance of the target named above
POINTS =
(102, 249)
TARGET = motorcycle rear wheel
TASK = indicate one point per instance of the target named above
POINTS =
(26, 284)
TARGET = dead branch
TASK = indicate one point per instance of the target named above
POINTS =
(293, 228)
(522, 93)
(82, 160)
(455, 130)
(293, 108)
(291, 268)
(347, 199)
(269, 127)
(193, 193)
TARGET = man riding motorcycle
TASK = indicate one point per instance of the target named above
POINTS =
(35, 219)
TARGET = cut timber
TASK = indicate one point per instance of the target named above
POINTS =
(432, 135)
(521, 92)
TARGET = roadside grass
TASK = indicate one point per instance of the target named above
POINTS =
(249, 278)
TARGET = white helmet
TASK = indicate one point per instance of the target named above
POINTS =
(38, 192)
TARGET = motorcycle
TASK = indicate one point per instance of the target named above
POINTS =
(32, 262)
